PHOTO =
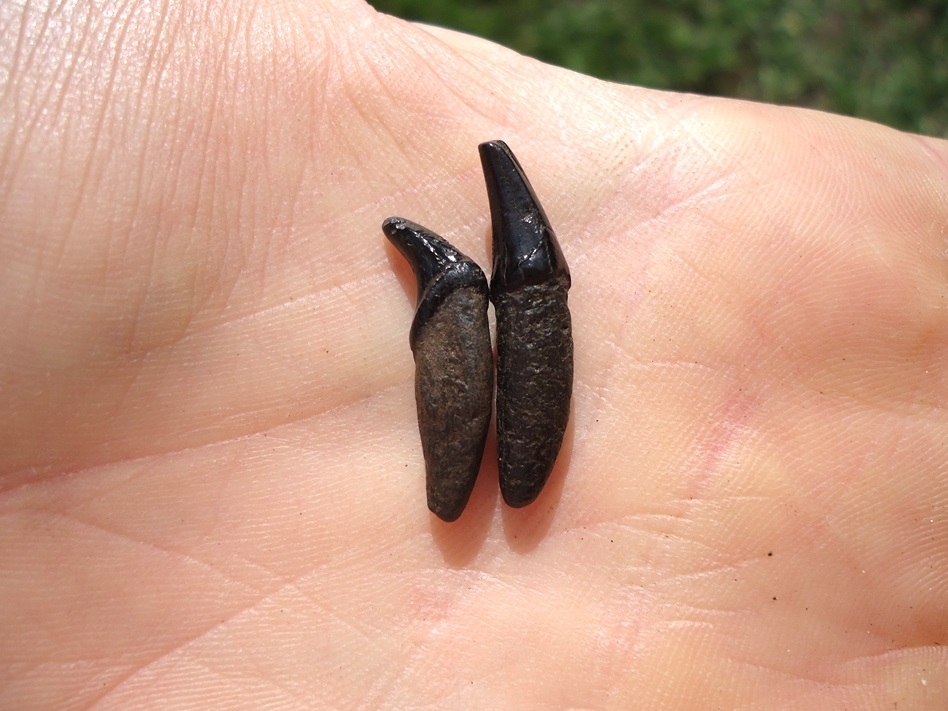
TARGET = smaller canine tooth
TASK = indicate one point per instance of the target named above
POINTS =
(454, 365)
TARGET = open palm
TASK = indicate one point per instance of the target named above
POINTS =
(211, 481)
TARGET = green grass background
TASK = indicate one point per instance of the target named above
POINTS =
(883, 60)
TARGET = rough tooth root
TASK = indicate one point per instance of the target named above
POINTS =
(529, 288)
(454, 367)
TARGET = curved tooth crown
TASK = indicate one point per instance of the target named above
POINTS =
(525, 246)
(454, 367)
(438, 266)
(534, 334)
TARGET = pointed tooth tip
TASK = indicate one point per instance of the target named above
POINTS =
(507, 184)
(393, 225)
(496, 158)
(422, 242)
(409, 237)
(496, 146)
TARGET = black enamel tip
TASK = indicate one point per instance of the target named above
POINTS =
(438, 266)
(524, 244)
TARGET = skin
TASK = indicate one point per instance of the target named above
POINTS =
(211, 484)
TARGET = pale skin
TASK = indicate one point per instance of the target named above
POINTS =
(211, 483)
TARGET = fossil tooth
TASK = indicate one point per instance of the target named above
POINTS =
(528, 287)
(454, 365)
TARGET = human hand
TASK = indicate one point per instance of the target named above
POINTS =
(212, 483)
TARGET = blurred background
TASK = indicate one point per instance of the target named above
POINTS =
(882, 60)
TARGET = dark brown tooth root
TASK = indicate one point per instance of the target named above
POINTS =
(529, 288)
(454, 364)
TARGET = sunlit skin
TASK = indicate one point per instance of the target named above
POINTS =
(212, 489)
